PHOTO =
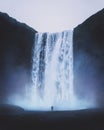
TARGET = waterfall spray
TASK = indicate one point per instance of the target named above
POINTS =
(52, 75)
(52, 70)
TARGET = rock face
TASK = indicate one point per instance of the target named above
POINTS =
(16, 41)
(10, 109)
(89, 58)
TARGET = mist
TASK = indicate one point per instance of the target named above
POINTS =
(42, 93)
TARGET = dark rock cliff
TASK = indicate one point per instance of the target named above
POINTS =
(89, 58)
(16, 41)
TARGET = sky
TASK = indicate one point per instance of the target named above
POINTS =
(51, 15)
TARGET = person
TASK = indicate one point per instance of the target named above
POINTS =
(51, 108)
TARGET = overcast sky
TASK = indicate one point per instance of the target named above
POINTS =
(51, 15)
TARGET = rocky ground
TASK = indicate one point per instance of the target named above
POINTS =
(15, 118)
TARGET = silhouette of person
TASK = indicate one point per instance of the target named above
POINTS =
(51, 108)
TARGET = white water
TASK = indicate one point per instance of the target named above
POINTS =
(52, 75)
(52, 71)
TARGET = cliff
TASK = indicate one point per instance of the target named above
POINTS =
(89, 58)
(16, 42)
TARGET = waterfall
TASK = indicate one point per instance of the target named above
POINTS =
(52, 70)
(52, 76)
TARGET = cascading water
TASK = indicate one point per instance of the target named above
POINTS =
(52, 71)
(52, 75)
